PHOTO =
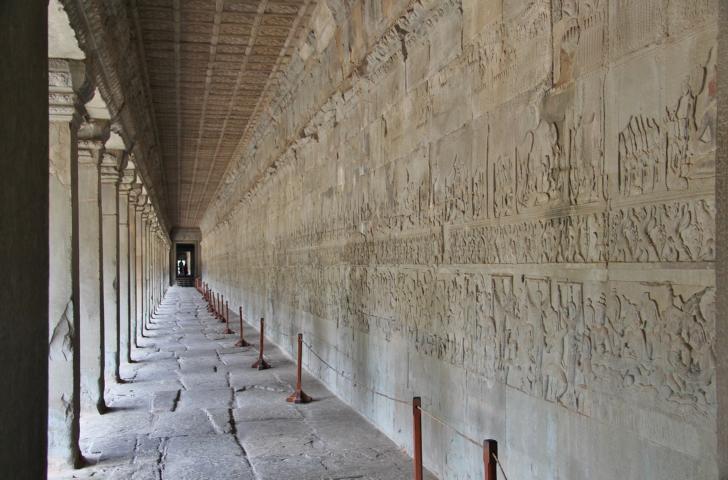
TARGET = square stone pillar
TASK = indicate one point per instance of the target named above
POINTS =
(66, 80)
(146, 258)
(157, 255)
(139, 278)
(143, 272)
(90, 250)
(153, 266)
(125, 290)
(133, 225)
(109, 174)
(150, 268)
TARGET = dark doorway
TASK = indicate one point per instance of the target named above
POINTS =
(185, 264)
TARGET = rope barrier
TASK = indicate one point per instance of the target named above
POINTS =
(352, 381)
(432, 416)
(403, 402)
(500, 467)
(445, 424)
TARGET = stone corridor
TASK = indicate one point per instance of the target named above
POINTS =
(192, 408)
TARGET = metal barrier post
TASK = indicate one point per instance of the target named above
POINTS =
(221, 312)
(261, 364)
(241, 342)
(417, 433)
(299, 396)
(490, 453)
(227, 320)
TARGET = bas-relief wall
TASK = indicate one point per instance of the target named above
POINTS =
(506, 208)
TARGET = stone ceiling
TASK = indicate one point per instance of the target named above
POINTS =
(212, 66)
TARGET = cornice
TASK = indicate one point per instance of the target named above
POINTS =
(105, 36)
(68, 89)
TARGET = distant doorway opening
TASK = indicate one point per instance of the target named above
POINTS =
(184, 263)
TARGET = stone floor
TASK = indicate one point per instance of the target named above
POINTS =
(192, 408)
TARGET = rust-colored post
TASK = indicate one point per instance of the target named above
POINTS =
(299, 396)
(227, 320)
(241, 342)
(417, 434)
(261, 364)
(490, 453)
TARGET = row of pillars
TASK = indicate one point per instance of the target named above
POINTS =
(108, 257)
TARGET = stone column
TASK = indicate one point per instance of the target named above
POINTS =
(157, 255)
(139, 280)
(146, 259)
(64, 404)
(90, 147)
(150, 266)
(109, 174)
(134, 193)
(143, 271)
(155, 250)
(125, 296)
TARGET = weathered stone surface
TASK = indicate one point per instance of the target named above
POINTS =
(108, 195)
(207, 398)
(203, 457)
(165, 401)
(90, 250)
(721, 186)
(154, 432)
(168, 424)
(65, 87)
(504, 207)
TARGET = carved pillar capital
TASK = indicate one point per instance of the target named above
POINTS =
(134, 192)
(91, 138)
(109, 168)
(68, 89)
(142, 197)
(126, 181)
(147, 209)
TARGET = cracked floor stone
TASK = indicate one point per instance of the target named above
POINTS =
(193, 409)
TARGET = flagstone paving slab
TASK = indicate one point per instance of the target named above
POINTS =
(192, 408)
